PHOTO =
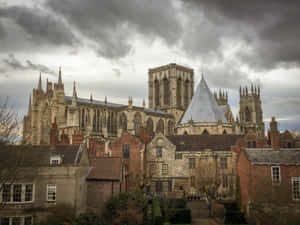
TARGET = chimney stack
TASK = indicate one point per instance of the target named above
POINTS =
(274, 135)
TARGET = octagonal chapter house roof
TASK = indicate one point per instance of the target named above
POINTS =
(203, 108)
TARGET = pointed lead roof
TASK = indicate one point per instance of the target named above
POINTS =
(203, 107)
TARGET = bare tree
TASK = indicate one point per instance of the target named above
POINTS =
(11, 160)
(208, 180)
(9, 126)
(271, 203)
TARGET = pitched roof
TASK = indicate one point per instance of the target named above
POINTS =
(203, 107)
(268, 156)
(202, 142)
(85, 101)
(106, 168)
(40, 155)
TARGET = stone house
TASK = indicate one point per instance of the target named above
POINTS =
(105, 179)
(46, 178)
(173, 163)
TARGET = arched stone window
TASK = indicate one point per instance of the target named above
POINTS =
(166, 92)
(160, 127)
(98, 121)
(247, 114)
(205, 132)
(137, 123)
(186, 93)
(123, 122)
(156, 91)
(170, 127)
(224, 132)
(150, 126)
(66, 113)
(178, 94)
(82, 118)
(94, 121)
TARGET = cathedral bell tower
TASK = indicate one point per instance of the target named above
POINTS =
(251, 116)
(171, 88)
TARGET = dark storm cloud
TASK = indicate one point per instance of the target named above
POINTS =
(269, 29)
(226, 75)
(16, 64)
(112, 24)
(40, 26)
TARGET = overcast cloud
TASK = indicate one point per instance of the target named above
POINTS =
(108, 46)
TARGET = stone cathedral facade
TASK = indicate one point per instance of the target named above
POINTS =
(171, 91)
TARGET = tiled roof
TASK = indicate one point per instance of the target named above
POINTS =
(40, 155)
(85, 101)
(203, 107)
(269, 156)
(106, 168)
(202, 142)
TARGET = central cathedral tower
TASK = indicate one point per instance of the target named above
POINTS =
(171, 88)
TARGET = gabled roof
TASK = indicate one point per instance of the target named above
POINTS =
(39, 156)
(202, 142)
(203, 107)
(268, 156)
(106, 168)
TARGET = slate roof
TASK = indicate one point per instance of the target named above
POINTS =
(202, 142)
(204, 107)
(269, 156)
(40, 155)
(84, 101)
(106, 168)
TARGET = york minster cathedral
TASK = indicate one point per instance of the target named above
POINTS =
(174, 108)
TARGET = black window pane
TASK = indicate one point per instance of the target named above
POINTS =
(6, 192)
(17, 192)
(28, 192)
(28, 220)
(16, 221)
(4, 220)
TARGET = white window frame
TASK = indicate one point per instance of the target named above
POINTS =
(164, 169)
(22, 219)
(23, 192)
(47, 193)
(279, 174)
(292, 183)
(54, 159)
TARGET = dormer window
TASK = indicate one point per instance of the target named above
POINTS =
(55, 160)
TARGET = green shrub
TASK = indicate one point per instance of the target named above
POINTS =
(181, 216)
(156, 212)
(88, 219)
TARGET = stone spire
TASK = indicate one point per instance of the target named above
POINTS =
(74, 97)
(40, 82)
(60, 83)
(144, 104)
(91, 98)
(29, 106)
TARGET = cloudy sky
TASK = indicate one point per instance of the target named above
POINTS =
(108, 46)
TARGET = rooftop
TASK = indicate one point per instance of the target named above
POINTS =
(203, 142)
(268, 156)
(203, 107)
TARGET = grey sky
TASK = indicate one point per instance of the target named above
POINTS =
(108, 46)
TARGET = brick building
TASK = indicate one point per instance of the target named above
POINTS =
(105, 179)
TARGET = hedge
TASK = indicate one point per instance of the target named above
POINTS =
(156, 212)
(181, 216)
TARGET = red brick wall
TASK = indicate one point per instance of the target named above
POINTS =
(98, 192)
(243, 170)
(256, 183)
(134, 162)
(96, 148)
